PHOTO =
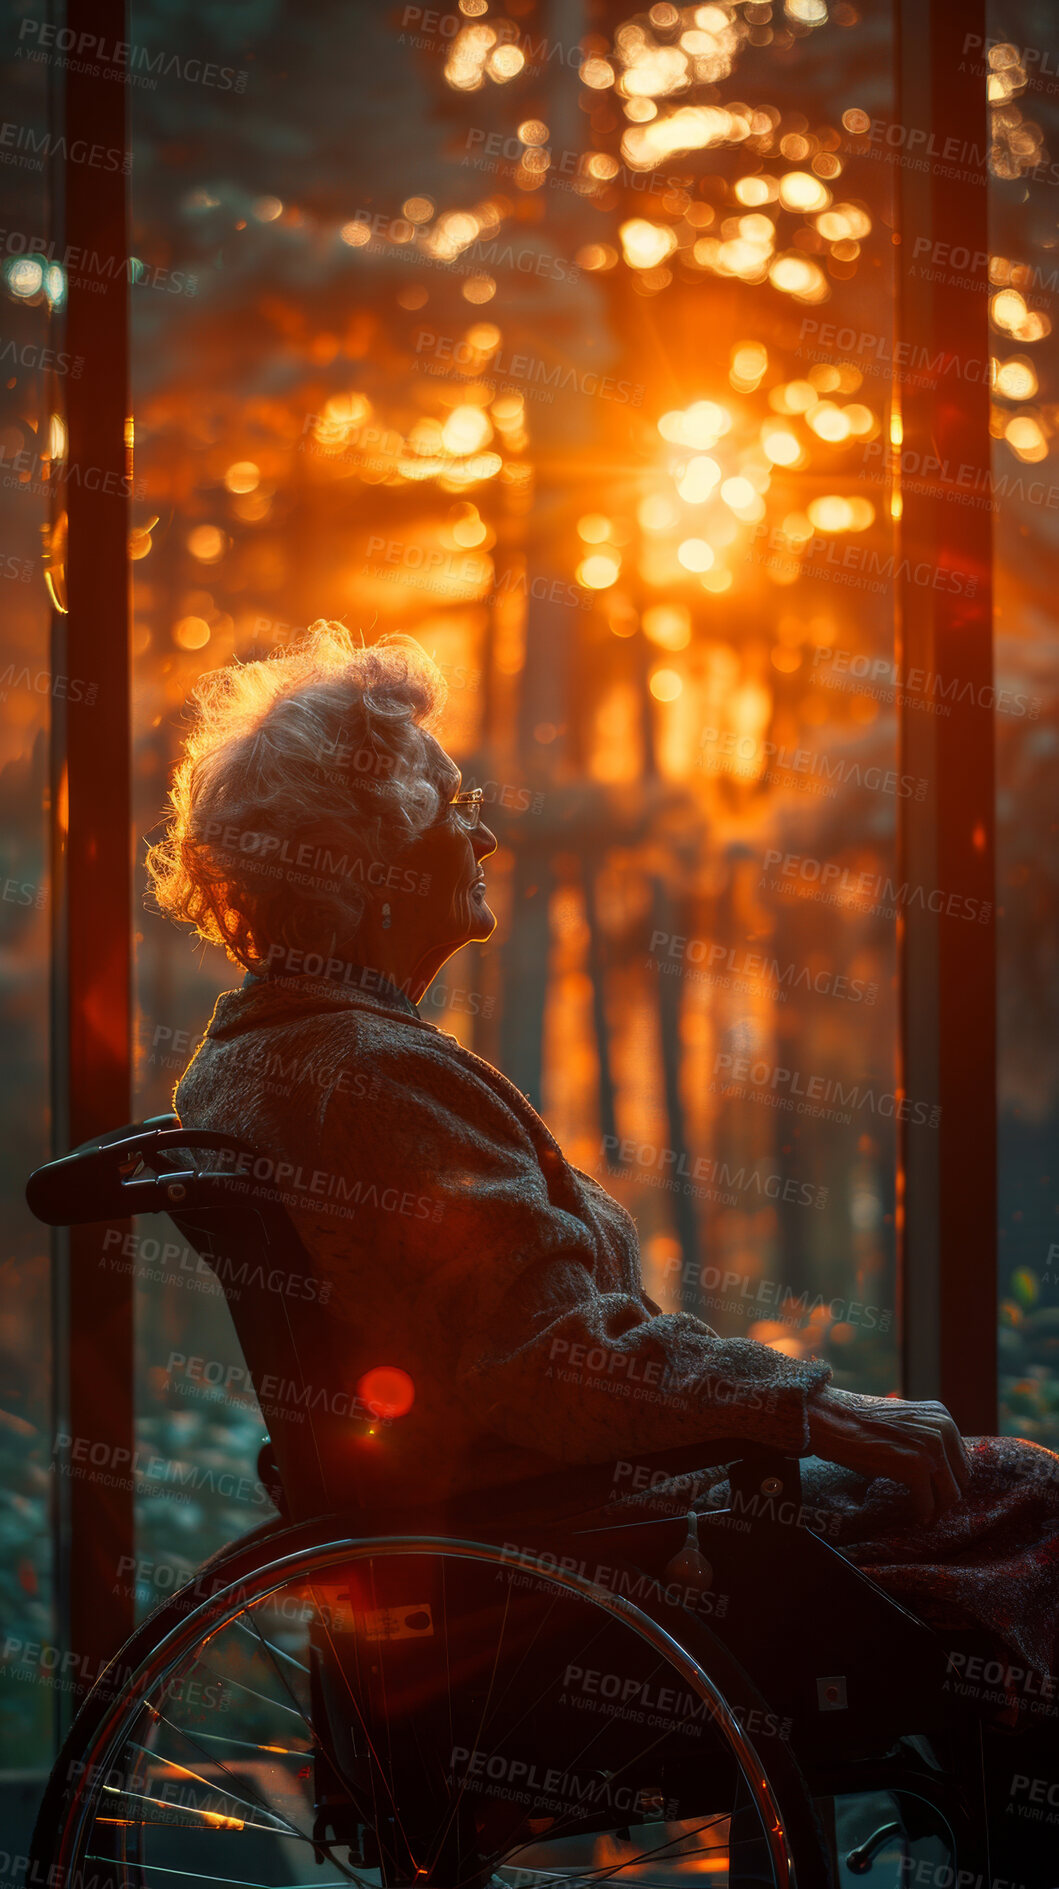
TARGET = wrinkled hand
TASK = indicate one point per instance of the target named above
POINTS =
(916, 1444)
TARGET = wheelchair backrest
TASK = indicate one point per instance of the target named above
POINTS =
(234, 1221)
(229, 1213)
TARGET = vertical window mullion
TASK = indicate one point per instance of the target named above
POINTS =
(92, 843)
(942, 463)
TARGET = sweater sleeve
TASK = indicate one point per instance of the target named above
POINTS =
(534, 1350)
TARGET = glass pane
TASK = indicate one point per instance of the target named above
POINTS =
(587, 391)
(33, 366)
(1020, 62)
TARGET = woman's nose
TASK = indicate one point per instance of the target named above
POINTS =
(483, 839)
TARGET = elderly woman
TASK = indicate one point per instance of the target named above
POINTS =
(319, 832)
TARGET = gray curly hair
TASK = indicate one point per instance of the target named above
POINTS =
(301, 778)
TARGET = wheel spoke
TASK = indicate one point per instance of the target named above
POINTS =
(369, 1742)
(384, 1707)
(454, 1809)
(286, 1829)
(251, 1744)
(274, 1652)
(236, 1882)
(252, 1692)
(189, 1739)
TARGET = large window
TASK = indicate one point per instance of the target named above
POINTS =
(575, 342)
(564, 358)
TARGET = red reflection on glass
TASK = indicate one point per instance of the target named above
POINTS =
(387, 1391)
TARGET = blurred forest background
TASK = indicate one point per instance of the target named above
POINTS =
(563, 339)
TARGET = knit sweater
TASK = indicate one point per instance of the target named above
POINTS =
(451, 1237)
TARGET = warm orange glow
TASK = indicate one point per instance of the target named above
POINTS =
(243, 476)
(702, 425)
(191, 633)
(1026, 437)
(749, 365)
(207, 543)
(800, 190)
(695, 554)
(829, 422)
(599, 571)
(796, 275)
(466, 430)
(646, 244)
(1015, 379)
(665, 685)
(781, 445)
(841, 514)
(469, 528)
(668, 625)
(597, 74)
(593, 528)
(699, 478)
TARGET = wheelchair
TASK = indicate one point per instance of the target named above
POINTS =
(496, 1689)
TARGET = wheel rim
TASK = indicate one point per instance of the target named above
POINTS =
(148, 1788)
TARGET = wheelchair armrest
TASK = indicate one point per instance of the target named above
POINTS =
(754, 1469)
(665, 1483)
(99, 1180)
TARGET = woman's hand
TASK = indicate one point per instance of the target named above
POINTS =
(917, 1444)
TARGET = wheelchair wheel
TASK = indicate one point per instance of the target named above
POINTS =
(398, 1711)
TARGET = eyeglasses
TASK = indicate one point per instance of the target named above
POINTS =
(468, 807)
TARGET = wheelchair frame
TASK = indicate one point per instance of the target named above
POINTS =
(876, 1675)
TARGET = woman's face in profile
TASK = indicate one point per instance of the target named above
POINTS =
(449, 853)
